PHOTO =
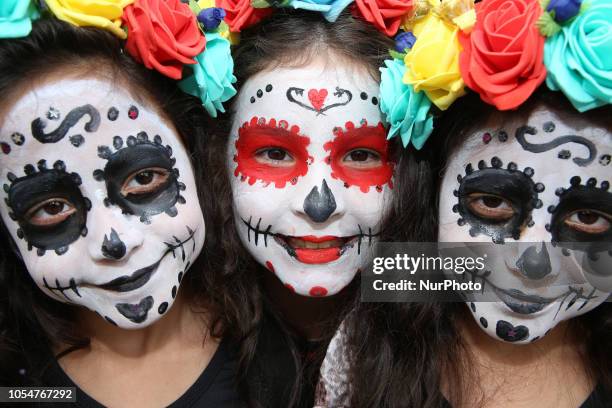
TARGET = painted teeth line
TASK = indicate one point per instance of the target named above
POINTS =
(257, 230)
(180, 244)
(361, 236)
(61, 289)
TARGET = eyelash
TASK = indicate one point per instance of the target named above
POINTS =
(55, 218)
(587, 228)
(157, 184)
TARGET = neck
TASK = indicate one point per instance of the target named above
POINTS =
(308, 316)
(180, 323)
(504, 374)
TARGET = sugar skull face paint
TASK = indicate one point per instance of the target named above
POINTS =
(100, 198)
(536, 180)
(310, 173)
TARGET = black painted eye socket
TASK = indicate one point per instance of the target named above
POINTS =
(140, 177)
(48, 206)
(496, 202)
(583, 215)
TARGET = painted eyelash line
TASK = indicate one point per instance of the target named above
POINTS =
(41, 168)
(558, 212)
(497, 164)
(119, 145)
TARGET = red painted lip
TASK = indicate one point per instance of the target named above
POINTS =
(312, 238)
(317, 256)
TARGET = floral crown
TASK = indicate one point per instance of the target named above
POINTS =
(501, 49)
(184, 41)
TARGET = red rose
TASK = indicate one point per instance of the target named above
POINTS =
(386, 15)
(240, 14)
(502, 58)
(163, 35)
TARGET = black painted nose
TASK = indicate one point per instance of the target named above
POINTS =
(319, 205)
(533, 264)
(113, 248)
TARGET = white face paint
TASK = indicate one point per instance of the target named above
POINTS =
(557, 196)
(310, 175)
(100, 199)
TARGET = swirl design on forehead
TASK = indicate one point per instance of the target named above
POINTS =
(38, 124)
(317, 98)
(561, 140)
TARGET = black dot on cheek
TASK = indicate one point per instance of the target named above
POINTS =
(174, 289)
(180, 277)
(162, 308)
(259, 93)
(374, 100)
(539, 187)
(528, 172)
(363, 96)
(6, 148)
(484, 322)
(253, 99)
(269, 88)
(473, 307)
(112, 114)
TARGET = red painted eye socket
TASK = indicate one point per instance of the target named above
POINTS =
(359, 156)
(271, 152)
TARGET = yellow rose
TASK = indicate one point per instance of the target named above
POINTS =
(104, 14)
(432, 65)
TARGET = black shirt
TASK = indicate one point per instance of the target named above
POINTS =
(215, 387)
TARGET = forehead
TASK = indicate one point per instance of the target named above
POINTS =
(554, 141)
(318, 95)
(70, 118)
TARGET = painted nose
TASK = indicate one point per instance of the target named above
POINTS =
(112, 246)
(533, 264)
(320, 204)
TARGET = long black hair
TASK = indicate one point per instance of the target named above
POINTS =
(293, 38)
(400, 352)
(31, 323)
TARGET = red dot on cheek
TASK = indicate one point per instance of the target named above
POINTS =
(288, 286)
(270, 266)
(318, 291)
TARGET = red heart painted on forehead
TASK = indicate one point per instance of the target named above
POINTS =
(317, 98)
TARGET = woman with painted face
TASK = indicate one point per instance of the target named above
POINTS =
(529, 178)
(310, 169)
(101, 284)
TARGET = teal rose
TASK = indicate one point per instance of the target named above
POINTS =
(579, 58)
(212, 76)
(407, 111)
(16, 18)
(330, 9)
